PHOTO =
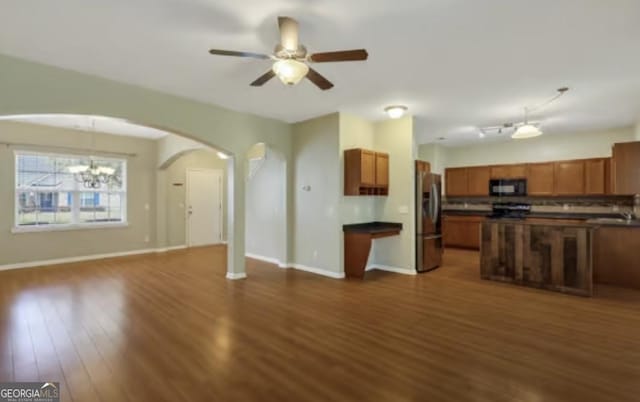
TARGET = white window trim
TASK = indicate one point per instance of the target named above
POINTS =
(17, 229)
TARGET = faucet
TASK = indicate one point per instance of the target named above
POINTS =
(628, 215)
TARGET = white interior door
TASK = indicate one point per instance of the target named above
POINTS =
(204, 207)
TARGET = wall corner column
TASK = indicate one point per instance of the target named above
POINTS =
(236, 267)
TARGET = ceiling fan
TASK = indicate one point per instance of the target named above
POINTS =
(291, 60)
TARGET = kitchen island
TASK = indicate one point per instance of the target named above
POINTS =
(553, 256)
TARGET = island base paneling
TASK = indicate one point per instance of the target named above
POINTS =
(549, 256)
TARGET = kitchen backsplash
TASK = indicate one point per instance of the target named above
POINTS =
(586, 205)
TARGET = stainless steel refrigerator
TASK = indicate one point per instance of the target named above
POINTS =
(428, 221)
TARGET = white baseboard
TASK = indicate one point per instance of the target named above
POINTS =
(172, 248)
(318, 271)
(69, 260)
(234, 276)
(380, 267)
(269, 260)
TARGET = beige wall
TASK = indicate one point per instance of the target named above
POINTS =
(27, 247)
(396, 138)
(176, 173)
(32, 88)
(541, 149)
(316, 224)
(266, 207)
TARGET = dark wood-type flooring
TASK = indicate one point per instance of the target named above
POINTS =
(170, 327)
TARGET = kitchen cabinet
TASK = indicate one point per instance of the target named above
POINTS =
(597, 172)
(508, 172)
(382, 170)
(456, 182)
(366, 172)
(569, 178)
(422, 166)
(462, 231)
(478, 181)
(615, 256)
(540, 178)
(626, 168)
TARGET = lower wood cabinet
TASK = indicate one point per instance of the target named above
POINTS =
(462, 231)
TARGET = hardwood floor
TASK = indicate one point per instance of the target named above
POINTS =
(170, 327)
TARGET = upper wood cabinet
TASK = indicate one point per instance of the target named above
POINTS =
(366, 172)
(597, 176)
(540, 178)
(382, 170)
(508, 172)
(626, 168)
(478, 181)
(562, 178)
(457, 182)
(422, 166)
(569, 178)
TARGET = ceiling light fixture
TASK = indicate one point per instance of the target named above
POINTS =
(222, 155)
(290, 71)
(93, 176)
(526, 130)
(395, 111)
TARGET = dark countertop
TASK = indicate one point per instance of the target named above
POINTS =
(549, 215)
(372, 227)
(550, 223)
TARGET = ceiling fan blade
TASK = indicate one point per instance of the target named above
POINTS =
(318, 79)
(288, 33)
(219, 52)
(263, 79)
(342, 55)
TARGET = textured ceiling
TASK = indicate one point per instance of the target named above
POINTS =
(457, 64)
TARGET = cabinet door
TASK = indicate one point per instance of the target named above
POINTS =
(456, 182)
(569, 178)
(462, 231)
(596, 176)
(368, 168)
(540, 178)
(508, 172)
(382, 169)
(626, 168)
(478, 180)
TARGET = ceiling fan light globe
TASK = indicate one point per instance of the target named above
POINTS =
(526, 131)
(289, 71)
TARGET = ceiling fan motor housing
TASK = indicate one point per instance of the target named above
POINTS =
(281, 53)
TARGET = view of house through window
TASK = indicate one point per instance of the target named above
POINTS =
(54, 189)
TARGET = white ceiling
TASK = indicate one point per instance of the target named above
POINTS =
(457, 64)
(87, 123)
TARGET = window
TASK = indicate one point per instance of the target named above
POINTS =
(49, 195)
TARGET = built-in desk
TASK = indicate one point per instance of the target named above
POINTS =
(357, 244)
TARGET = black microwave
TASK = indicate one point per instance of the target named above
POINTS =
(508, 187)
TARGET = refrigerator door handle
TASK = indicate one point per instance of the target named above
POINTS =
(436, 202)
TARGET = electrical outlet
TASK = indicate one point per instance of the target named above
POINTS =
(616, 208)
(566, 207)
(403, 209)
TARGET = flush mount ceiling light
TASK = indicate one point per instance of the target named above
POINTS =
(290, 71)
(395, 111)
(222, 155)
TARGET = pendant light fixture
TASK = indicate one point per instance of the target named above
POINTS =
(526, 130)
